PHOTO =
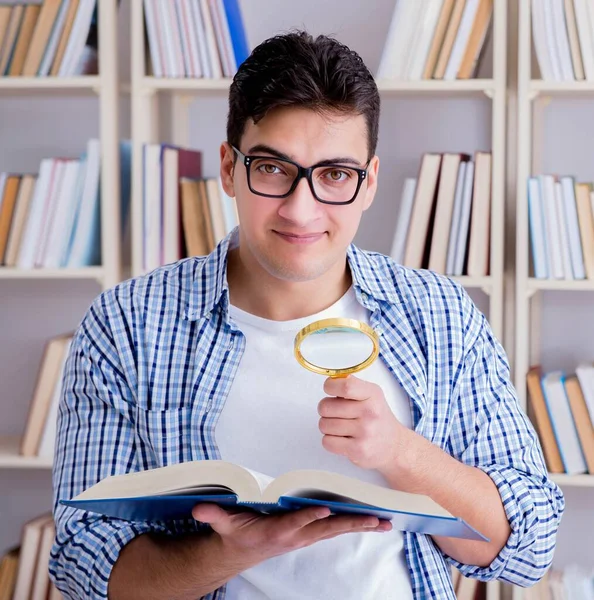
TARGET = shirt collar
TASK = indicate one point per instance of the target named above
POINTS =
(370, 280)
(210, 287)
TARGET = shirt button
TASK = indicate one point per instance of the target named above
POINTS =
(231, 343)
(419, 391)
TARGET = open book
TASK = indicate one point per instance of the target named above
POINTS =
(171, 492)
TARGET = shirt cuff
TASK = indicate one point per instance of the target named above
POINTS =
(519, 505)
(81, 565)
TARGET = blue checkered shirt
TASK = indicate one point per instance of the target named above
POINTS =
(152, 363)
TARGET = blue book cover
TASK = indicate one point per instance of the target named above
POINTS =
(171, 492)
(241, 48)
(85, 247)
(125, 182)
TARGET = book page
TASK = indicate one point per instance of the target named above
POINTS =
(331, 486)
(262, 480)
(198, 477)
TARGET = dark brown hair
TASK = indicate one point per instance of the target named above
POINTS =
(295, 69)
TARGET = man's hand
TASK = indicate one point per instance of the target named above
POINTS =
(248, 538)
(358, 423)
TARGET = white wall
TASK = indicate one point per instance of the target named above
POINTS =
(31, 129)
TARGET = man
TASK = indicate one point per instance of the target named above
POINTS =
(194, 361)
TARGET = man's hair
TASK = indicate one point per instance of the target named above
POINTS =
(297, 70)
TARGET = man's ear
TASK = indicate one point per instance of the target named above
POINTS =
(372, 175)
(227, 168)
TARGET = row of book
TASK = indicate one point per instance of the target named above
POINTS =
(195, 38)
(563, 34)
(436, 39)
(52, 219)
(444, 218)
(561, 217)
(562, 409)
(572, 583)
(56, 37)
(183, 213)
(24, 569)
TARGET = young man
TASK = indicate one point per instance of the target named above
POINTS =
(194, 361)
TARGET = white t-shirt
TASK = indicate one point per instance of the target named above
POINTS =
(270, 424)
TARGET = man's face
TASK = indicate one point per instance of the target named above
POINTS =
(298, 238)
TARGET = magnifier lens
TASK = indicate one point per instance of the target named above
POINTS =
(336, 347)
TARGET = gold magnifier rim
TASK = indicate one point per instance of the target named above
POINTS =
(336, 322)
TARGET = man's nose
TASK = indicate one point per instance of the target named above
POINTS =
(300, 207)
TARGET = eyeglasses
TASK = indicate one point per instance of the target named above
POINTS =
(278, 177)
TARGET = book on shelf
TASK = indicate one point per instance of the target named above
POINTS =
(39, 435)
(9, 564)
(444, 218)
(24, 569)
(559, 406)
(172, 491)
(51, 219)
(561, 227)
(436, 39)
(184, 214)
(563, 39)
(195, 38)
(54, 37)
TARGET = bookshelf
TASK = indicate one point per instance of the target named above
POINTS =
(105, 88)
(534, 94)
(148, 94)
(26, 481)
(11, 459)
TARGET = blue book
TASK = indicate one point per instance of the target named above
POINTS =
(171, 492)
(241, 48)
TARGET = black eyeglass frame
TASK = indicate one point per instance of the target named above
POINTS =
(301, 172)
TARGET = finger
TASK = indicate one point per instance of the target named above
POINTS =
(213, 515)
(350, 387)
(381, 528)
(337, 444)
(300, 519)
(339, 408)
(340, 524)
(338, 427)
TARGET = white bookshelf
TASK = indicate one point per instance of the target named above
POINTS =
(384, 85)
(105, 87)
(11, 459)
(533, 95)
(41, 85)
(146, 92)
(93, 273)
(571, 481)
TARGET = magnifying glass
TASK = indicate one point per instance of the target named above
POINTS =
(336, 347)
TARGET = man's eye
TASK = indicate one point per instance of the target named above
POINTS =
(337, 175)
(269, 169)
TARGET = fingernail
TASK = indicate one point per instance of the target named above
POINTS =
(322, 513)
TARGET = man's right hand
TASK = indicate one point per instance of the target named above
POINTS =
(248, 538)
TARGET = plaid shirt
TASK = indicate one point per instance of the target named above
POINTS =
(152, 363)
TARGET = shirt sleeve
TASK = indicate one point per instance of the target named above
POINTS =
(493, 434)
(94, 439)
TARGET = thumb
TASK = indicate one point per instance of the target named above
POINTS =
(214, 516)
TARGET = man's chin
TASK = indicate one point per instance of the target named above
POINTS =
(296, 273)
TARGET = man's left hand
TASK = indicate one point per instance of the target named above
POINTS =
(358, 423)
